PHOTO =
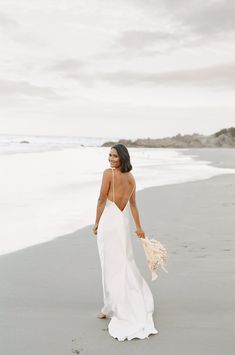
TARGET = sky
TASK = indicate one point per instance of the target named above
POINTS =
(126, 68)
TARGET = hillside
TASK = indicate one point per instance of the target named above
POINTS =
(225, 138)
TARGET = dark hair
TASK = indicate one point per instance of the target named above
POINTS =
(124, 157)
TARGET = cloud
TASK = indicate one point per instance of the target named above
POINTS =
(6, 21)
(214, 17)
(142, 39)
(10, 88)
(217, 76)
(192, 23)
(66, 65)
(13, 31)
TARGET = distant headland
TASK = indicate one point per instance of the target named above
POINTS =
(225, 138)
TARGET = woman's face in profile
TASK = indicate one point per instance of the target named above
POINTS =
(114, 158)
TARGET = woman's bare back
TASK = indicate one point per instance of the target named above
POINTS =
(121, 188)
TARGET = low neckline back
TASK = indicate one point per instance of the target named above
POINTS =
(113, 201)
(117, 205)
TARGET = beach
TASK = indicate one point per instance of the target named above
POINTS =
(50, 293)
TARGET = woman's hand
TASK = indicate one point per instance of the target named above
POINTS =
(94, 228)
(140, 233)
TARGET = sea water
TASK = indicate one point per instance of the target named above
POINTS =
(49, 187)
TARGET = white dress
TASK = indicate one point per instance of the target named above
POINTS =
(127, 298)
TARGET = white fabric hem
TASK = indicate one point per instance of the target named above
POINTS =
(130, 337)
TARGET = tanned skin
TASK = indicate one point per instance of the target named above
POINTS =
(106, 193)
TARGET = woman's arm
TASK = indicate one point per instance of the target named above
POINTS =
(105, 185)
(135, 213)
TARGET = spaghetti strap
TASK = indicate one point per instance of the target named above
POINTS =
(131, 192)
(113, 187)
(113, 183)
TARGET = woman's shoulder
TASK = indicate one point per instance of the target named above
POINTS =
(131, 178)
(107, 172)
(131, 175)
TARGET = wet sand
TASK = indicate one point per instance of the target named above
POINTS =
(50, 293)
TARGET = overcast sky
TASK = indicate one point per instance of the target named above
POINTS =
(126, 68)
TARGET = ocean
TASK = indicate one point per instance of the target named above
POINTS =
(50, 185)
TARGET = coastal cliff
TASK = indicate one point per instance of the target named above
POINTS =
(225, 138)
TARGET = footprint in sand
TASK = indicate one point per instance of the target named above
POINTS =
(76, 351)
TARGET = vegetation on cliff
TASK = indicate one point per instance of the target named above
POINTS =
(225, 138)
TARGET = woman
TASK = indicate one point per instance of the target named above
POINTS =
(128, 300)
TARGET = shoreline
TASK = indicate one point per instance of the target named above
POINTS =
(205, 154)
(51, 292)
(225, 157)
